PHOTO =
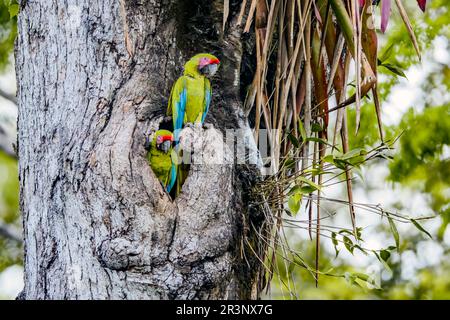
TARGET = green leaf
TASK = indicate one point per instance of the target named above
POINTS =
(348, 244)
(359, 233)
(301, 190)
(385, 255)
(360, 249)
(350, 278)
(340, 163)
(302, 130)
(418, 226)
(394, 231)
(316, 171)
(357, 170)
(386, 266)
(361, 276)
(294, 189)
(353, 153)
(13, 10)
(307, 189)
(291, 267)
(387, 53)
(366, 278)
(328, 158)
(394, 69)
(294, 203)
(346, 231)
(319, 140)
(335, 242)
(293, 140)
(309, 182)
(289, 163)
(316, 127)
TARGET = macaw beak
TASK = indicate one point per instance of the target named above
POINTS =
(165, 146)
(211, 68)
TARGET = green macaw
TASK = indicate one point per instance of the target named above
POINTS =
(190, 99)
(162, 158)
(191, 94)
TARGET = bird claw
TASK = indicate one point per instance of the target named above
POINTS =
(189, 125)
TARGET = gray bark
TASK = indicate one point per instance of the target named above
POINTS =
(93, 77)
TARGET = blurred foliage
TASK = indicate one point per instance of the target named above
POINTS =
(427, 283)
(8, 30)
(420, 162)
(10, 251)
(426, 26)
(9, 184)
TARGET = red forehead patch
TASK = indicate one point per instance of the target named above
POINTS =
(167, 137)
(214, 61)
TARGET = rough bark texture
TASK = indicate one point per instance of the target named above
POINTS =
(93, 78)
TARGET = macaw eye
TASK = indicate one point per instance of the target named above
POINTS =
(159, 139)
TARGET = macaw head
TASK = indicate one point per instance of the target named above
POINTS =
(202, 63)
(163, 140)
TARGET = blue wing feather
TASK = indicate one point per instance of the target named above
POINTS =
(207, 102)
(173, 178)
(180, 105)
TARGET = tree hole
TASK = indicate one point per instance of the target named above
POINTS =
(158, 159)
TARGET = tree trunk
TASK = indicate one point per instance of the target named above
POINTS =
(93, 78)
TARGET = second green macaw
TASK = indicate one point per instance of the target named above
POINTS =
(162, 158)
(190, 99)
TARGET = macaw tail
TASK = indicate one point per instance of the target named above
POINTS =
(173, 178)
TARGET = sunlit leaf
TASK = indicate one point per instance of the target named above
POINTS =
(335, 242)
(13, 10)
(302, 130)
(385, 255)
(356, 246)
(394, 69)
(383, 262)
(394, 230)
(418, 226)
(294, 203)
(386, 54)
(348, 244)
(309, 182)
